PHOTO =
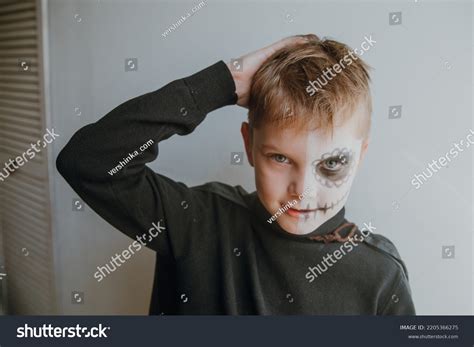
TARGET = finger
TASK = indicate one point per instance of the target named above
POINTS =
(290, 41)
(311, 37)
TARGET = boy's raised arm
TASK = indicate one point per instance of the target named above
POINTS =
(105, 162)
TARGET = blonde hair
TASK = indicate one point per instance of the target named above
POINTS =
(279, 91)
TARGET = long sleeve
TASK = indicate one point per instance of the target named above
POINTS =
(399, 301)
(105, 162)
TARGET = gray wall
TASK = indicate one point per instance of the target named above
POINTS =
(424, 64)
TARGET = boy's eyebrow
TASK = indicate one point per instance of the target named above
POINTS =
(270, 147)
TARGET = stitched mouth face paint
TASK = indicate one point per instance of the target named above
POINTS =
(311, 212)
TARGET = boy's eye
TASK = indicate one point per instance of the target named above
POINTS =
(280, 158)
(334, 168)
(332, 164)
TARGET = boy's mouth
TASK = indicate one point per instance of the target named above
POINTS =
(308, 212)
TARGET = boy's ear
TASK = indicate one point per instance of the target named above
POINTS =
(247, 137)
(363, 150)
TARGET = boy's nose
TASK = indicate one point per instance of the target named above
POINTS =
(297, 189)
(302, 184)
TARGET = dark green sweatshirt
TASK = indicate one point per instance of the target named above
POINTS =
(216, 251)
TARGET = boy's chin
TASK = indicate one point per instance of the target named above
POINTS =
(300, 227)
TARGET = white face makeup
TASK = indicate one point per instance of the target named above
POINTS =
(312, 168)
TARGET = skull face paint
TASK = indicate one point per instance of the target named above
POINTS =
(333, 169)
(312, 167)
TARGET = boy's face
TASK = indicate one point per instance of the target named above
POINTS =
(312, 168)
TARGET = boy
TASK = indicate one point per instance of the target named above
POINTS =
(221, 250)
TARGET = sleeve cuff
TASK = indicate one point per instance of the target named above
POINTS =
(212, 88)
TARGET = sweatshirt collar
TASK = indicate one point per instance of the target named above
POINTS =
(263, 215)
